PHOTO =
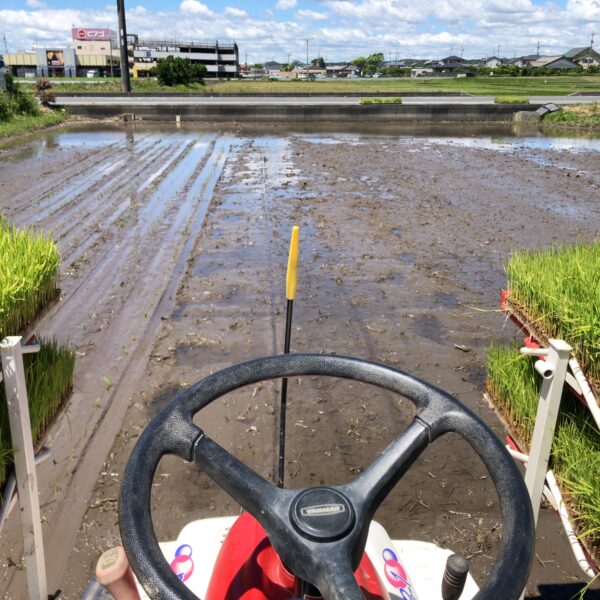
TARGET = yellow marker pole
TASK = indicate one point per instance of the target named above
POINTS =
(291, 281)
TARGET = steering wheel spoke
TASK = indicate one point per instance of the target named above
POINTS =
(372, 486)
(241, 482)
(336, 580)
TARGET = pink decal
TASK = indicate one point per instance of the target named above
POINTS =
(395, 574)
(182, 564)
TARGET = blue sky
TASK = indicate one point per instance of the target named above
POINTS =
(337, 29)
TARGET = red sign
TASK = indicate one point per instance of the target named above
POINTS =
(91, 34)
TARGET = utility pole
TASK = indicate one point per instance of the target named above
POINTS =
(125, 81)
(538, 48)
(589, 53)
(112, 74)
(306, 40)
(6, 45)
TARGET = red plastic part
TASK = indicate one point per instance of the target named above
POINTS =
(248, 568)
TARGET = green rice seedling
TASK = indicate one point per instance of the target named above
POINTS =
(511, 100)
(514, 386)
(383, 100)
(558, 289)
(49, 377)
(29, 266)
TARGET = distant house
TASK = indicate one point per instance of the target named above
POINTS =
(421, 72)
(272, 65)
(493, 62)
(340, 69)
(552, 62)
(454, 60)
(524, 61)
(584, 57)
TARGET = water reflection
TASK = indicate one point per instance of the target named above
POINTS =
(493, 136)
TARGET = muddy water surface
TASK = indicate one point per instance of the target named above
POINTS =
(174, 246)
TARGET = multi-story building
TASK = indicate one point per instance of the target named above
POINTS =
(220, 60)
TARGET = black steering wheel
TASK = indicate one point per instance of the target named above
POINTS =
(319, 533)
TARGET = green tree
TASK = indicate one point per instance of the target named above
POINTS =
(374, 62)
(360, 63)
(173, 71)
(318, 62)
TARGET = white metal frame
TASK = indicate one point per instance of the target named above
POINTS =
(553, 371)
(552, 366)
(11, 352)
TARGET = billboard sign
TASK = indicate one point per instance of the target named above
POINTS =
(88, 35)
(55, 58)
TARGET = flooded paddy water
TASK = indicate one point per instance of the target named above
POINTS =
(174, 248)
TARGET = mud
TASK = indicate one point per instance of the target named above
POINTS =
(174, 245)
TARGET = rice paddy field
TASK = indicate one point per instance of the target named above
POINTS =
(505, 86)
(29, 269)
(173, 244)
(557, 291)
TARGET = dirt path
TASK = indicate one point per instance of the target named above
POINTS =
(174, 249)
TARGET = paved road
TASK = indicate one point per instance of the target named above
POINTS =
(294, 100)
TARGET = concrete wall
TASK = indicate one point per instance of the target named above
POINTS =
(373, 113)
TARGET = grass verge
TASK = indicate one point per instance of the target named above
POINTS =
(388, 100)
(25, 123)
(29, 264)
(511, 100)
(514, 386)
(579, 115)
(49, 376)
(481, 85)
(558, 291)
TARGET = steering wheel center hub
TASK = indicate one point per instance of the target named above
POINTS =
(322, 514)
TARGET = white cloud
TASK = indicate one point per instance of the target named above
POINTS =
(311, 15)
(235, 12)
(584, 10)
(384, 12)
(195, 8)
(285, 4)
(344, 28)
(36, 4)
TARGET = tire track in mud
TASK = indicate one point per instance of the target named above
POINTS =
(167, 224)
(73, 234)
(124, 256)
(83, 189)
(56, 182)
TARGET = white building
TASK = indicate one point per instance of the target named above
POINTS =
(220, 60)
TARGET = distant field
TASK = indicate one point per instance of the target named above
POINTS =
(486, 86)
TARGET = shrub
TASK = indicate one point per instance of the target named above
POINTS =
(11, 84)
(387, 100)
(5, 108)
(20, 102)
(173, 71)
(42, 90)
(23, 103)
(511, 100)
